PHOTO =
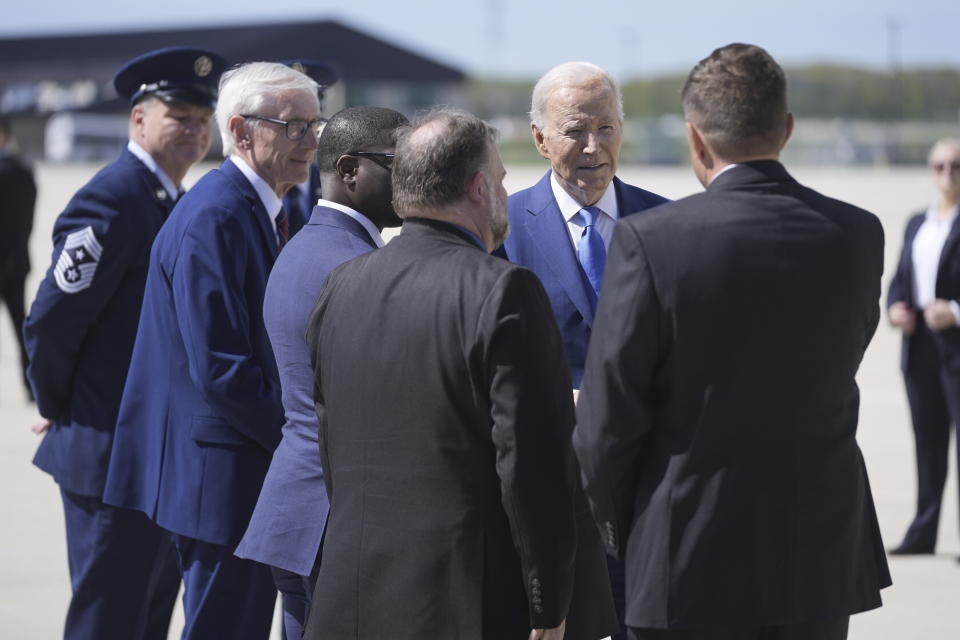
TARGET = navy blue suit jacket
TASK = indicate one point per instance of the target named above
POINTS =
(287, 524)
(540, 241)
(80, 342)
(201, 413)
(947, 287)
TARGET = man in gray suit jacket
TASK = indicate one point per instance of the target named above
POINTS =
(355, 156)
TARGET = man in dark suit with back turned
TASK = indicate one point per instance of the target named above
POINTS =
(18, 194)
(716, 425)
(355, 156)
(445, 417)
(201, 411)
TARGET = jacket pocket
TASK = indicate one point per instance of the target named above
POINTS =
(215, 431)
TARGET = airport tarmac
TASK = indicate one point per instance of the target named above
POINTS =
(921, 605)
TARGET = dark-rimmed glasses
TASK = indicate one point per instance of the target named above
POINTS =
(295, 129)
(950, 166)
(381, 158)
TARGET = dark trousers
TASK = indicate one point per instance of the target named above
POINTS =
(296, 592)
(123, 571)
(834, 629)
(11, 290)
(223, 596)
(618, 585)
(934, 395)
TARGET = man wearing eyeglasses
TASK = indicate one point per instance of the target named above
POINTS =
(201, 411)
(300, 199)
(355, 158)
(923, 304)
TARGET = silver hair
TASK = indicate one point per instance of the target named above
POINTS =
(567, 74)
(943, 143)
(247, 87)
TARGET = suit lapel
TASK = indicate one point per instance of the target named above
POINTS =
(257, 210)
(627, 203)
(548, 233)
(948, 246)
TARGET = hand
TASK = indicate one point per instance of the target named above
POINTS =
(903, 317)
(549, 634)
(939, 315)
(41, 427)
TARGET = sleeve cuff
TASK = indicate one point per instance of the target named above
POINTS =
(955, 308)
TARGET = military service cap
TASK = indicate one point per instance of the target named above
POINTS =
(323, 73)
(175, 74)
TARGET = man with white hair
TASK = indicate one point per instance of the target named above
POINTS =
(201, 412)
(562, 226)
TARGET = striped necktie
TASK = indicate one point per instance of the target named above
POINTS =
(592, 252)
(283, 228)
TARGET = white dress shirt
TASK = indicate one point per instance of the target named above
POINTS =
(172, 190)
(925, 253)
(570, 210)
(271, 201)
(359, 217)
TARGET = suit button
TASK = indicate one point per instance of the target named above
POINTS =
(537, 608)
(535, 582)
(537, 600)
(535, 591)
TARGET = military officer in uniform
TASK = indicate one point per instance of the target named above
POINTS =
(299, 201)
(80, 332)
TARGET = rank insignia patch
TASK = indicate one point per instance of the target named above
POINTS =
(78, 261)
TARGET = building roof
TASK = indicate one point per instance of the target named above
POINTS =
(360, 57)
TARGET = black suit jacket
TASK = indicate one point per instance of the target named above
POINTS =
(17, 196)
(716, 427)
(947, 288)
(445, 416)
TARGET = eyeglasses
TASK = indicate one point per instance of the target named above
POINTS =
(295, 129)
(385, 160)
(940, 166)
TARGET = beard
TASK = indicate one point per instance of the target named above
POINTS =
(499, 219)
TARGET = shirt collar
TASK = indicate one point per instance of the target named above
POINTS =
(723, 171)
(476, 240)
(155, 169)
(933, 214)
(271, 202)
(356, 215)
(570, 208)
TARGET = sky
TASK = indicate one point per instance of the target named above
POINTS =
(524, 38)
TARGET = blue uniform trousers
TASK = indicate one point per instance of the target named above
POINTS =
(123, 571)
(223, 596)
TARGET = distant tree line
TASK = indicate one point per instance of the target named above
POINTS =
(819, 91)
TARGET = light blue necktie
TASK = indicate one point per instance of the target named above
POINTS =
(593, 255)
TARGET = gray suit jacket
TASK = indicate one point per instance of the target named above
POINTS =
(287, 524)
